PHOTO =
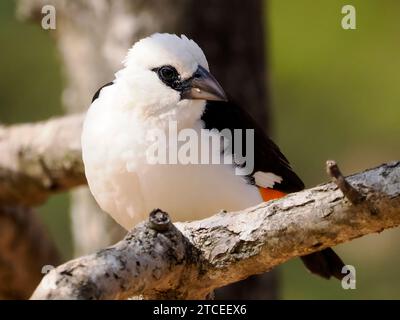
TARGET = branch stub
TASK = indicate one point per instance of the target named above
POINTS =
(159, 220)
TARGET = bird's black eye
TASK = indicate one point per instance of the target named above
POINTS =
(168, 74)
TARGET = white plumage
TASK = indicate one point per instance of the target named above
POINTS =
(266, 179)
(114, 142)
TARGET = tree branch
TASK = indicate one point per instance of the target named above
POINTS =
(348, 190)
(39, 159)
(189, 260)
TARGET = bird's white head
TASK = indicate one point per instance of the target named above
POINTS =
(167, 75)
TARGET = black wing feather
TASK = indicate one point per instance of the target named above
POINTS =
(267, 155)
(96, 95)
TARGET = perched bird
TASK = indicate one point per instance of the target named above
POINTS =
(166, 80)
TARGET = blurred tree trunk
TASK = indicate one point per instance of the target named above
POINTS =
(231, 33)
(93, 36)
(26, 251)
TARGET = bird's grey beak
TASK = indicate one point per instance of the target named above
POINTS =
(203, 86)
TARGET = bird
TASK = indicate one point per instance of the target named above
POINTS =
(166, 79)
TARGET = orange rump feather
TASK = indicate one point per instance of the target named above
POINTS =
(269, 194)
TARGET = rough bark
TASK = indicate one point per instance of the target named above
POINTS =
(39, 159)
(25, 249)
(188, 260)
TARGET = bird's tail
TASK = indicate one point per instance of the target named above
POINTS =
(325, 263)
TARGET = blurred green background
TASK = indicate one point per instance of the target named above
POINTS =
(335, 96)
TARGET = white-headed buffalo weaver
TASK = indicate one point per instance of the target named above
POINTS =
(166, 79)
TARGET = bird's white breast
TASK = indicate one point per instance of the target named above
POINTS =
(127, 187)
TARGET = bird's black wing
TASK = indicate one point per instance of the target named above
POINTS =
(96, 95)
(267, 155)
